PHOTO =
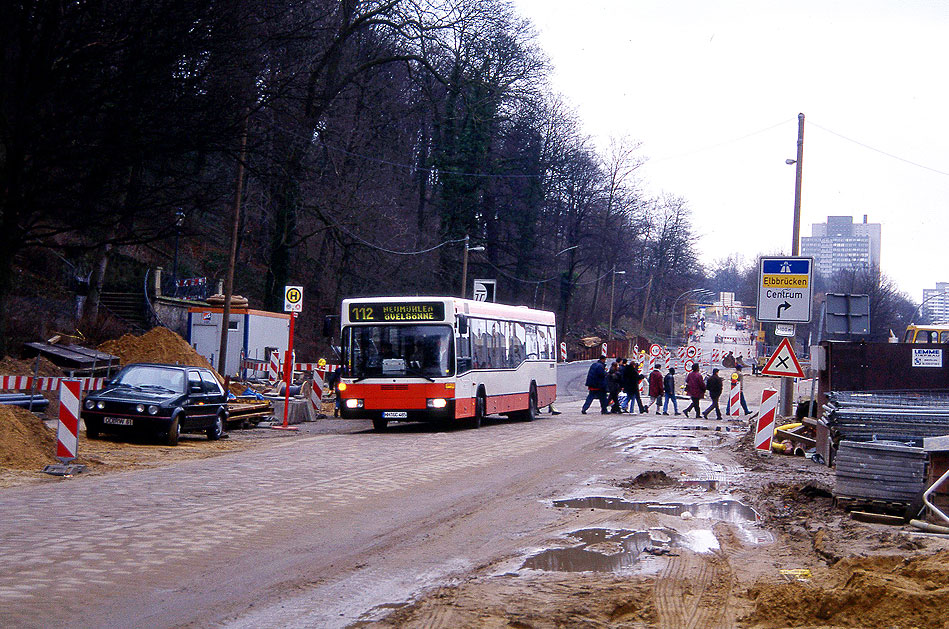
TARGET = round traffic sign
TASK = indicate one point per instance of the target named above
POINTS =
(655, 350)
(688, 365)
(691, 351)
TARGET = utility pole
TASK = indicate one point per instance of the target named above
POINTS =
(232, 259)
(787, 384)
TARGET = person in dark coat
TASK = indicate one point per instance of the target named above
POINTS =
(695, 389)
(655, 389)
(596, 383)
(631, 379)
(614, 383)
(669, 389)
(714, 387)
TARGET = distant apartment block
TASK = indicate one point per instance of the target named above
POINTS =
(842, 245)
(936, 303)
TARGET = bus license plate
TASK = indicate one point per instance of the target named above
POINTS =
(118, 421)
(395, 415)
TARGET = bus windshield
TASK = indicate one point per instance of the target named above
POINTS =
(400, 351)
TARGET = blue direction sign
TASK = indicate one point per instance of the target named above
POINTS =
(785, 289)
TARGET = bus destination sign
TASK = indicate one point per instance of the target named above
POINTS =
(395, 312)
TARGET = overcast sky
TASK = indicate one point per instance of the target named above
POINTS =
(712, 89)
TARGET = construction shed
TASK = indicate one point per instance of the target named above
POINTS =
(253, 334)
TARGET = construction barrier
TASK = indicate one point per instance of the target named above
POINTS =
(67, 433)
(24, 383)
(274, 370)
(734, 400)
(764, 432)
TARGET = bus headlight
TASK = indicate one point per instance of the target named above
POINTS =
(353, 403)
(341, 386)
(438, 402)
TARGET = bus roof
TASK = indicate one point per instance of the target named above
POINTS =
(470, 307)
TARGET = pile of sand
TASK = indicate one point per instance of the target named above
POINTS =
(25, 441)
(891, 591)
(13, 367)
(158, 345)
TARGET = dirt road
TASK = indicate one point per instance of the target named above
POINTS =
(596, 520)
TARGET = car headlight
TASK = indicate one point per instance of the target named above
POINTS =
(90, 404)
(152, 410)
(353, 403)
(100, 405)
(438, 402)
(341, 386)
(139, 408)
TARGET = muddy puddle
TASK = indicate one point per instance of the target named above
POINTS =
(595, 550)
(609, 550)
(724, 510)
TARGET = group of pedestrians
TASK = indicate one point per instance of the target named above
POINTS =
(608, 387)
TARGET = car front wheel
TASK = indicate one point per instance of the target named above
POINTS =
(92, 430)
(174, 431)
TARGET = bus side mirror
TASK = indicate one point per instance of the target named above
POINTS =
(462, 325)
(330, 325)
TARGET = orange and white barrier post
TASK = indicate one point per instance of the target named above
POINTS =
(734, 400)
(764, 432)
(67, 439)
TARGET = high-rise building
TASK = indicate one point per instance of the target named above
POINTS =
(842, 245)
(936, 303)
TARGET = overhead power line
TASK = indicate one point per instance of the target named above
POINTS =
(880, 151)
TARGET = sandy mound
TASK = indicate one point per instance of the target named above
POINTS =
(158, 345)
(889, 591)
(25, 442)
(13, 367)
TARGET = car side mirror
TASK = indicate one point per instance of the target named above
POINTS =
(195, 388)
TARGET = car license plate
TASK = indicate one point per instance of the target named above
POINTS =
(395, 415)
(118, 421)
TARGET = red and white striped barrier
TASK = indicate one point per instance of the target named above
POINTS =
(764, 432)
(734, 400)
(67, 438)
(274, 369)
(24, 383)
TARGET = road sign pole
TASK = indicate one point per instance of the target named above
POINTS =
(288, 378)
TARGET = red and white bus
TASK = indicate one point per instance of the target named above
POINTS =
(445, 359)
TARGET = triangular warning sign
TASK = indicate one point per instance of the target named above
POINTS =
(783, 362)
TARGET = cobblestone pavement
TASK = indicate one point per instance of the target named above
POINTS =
(85, 543)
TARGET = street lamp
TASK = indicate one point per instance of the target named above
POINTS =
(464, 266)
(920, 306)
(179, 221)
(612, 293)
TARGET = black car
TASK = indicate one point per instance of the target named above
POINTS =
(163, 399)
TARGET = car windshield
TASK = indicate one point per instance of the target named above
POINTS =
(400, 351)
(151, 376)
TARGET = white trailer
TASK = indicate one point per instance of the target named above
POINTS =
(255, 332)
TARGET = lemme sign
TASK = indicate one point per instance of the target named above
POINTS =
(783, 362)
